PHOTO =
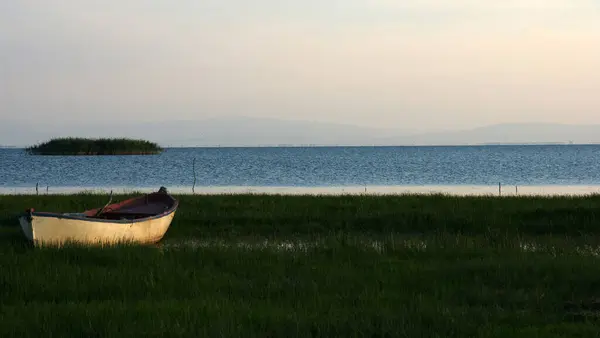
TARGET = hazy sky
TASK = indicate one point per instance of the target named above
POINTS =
(411, 64)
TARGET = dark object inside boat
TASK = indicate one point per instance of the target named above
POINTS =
(150, 205)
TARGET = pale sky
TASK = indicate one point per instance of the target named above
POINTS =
(422, 64)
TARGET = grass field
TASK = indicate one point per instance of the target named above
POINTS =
(302, 266)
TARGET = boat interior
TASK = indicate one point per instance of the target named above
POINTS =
(135, 208)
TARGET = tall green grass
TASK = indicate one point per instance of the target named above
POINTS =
(102, 146)
(273, 215)
(442, 267)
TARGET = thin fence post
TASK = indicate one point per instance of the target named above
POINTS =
(194, 170)
(516, 189)
(37, 192)
(500, 189)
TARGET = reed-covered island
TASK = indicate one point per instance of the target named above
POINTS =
(100, 146)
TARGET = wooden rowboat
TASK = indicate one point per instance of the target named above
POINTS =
(140, 220)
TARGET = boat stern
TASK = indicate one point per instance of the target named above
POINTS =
(26, 221)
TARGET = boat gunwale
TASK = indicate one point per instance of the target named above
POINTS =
(165, 213)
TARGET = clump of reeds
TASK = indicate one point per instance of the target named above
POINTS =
(100, 146)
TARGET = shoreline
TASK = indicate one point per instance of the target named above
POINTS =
(453, 190)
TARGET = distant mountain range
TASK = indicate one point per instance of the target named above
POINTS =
(524, 133)
(244, 131)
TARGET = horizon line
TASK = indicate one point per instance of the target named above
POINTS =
(486, 144)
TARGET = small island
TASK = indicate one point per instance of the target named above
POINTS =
(102, 146)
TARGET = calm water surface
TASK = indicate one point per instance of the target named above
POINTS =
(312, 167)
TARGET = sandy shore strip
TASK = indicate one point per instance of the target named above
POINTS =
(456, 190)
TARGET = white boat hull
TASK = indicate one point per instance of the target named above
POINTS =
(54, 230)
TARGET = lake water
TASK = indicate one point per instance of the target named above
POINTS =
(551, 168)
